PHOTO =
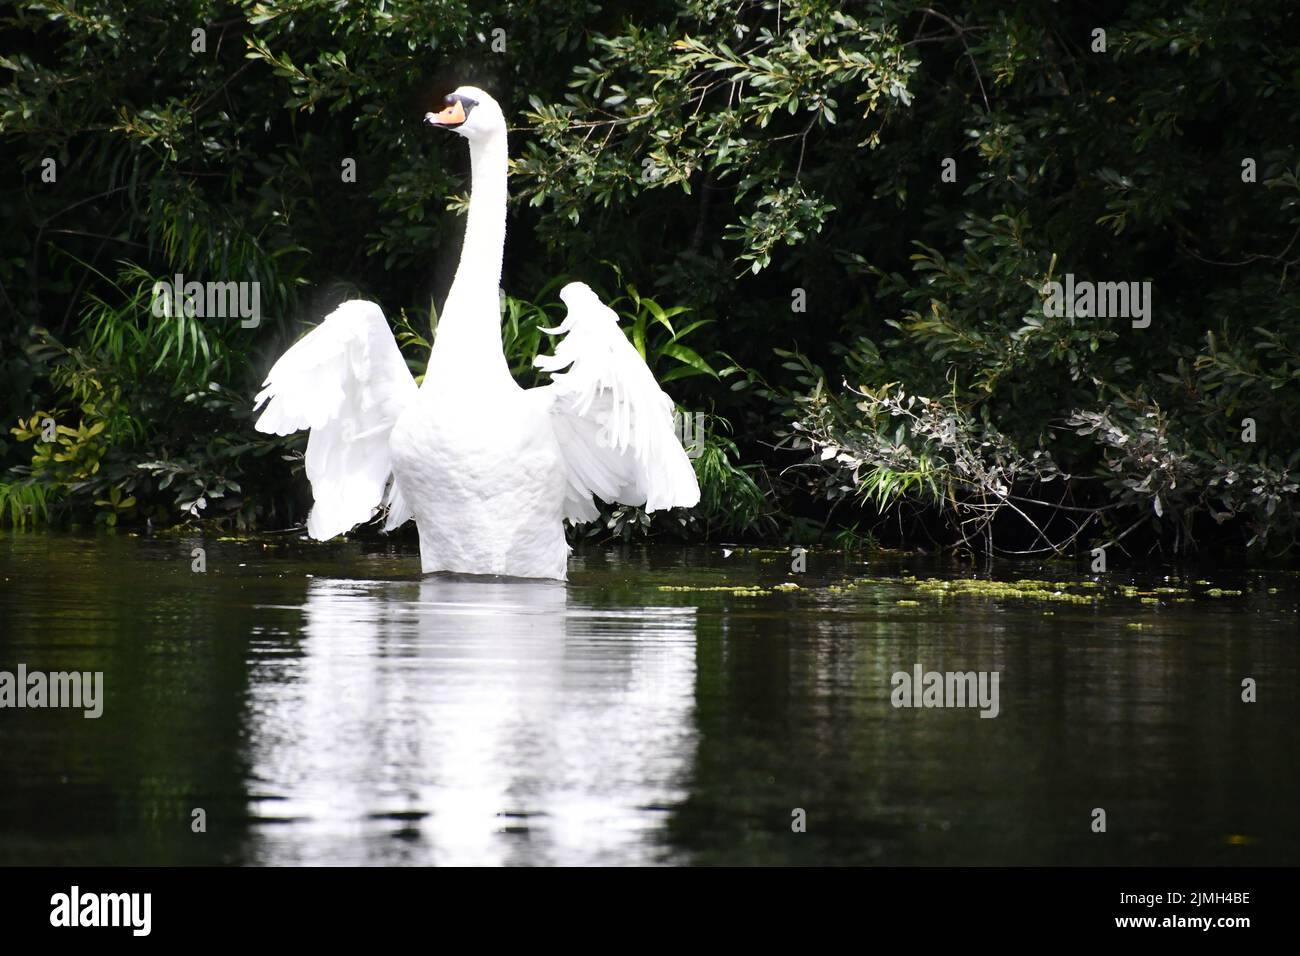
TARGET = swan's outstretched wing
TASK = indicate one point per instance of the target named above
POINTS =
(613, 421)
(347, 382)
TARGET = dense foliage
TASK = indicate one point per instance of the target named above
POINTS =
(831, 225)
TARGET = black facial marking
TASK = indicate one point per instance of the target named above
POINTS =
(466, 103)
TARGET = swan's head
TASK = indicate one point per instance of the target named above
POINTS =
(470, 112)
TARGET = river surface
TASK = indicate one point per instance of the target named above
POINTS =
(293, 704)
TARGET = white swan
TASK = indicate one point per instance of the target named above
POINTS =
(490, 471)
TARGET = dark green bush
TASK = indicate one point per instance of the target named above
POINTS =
(774, 168)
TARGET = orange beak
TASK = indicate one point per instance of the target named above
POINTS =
(453, 115)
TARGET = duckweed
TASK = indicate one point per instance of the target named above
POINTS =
(748, 590)
(1027, 589)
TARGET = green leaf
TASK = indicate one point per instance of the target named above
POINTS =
(688, 356)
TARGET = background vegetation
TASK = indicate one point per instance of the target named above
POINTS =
(757, 184)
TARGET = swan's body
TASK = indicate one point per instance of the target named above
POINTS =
(494, 474)
(490, 471)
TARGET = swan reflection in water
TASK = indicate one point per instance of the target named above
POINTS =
(468, 721)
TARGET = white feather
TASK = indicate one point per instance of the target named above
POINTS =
(613, 421)
(347, 382)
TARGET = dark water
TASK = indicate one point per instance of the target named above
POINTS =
(326, 705)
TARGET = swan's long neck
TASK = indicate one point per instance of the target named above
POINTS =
(469, 330)
(485, 229)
